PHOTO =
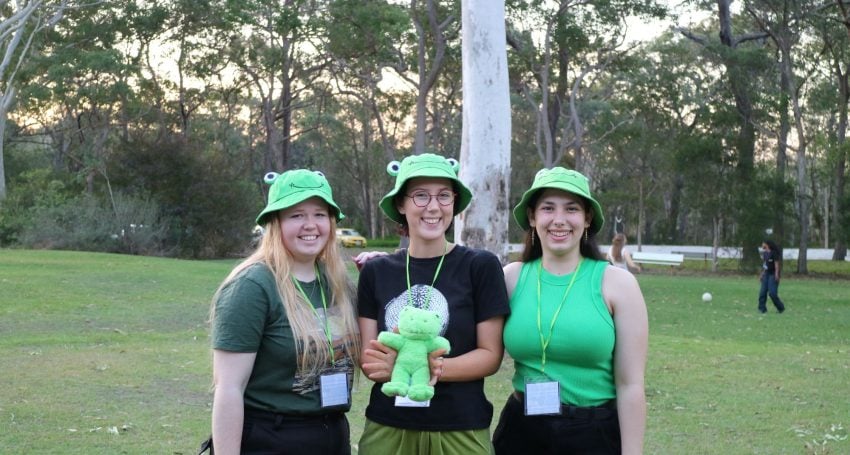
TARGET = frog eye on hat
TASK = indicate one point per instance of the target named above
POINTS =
(270, 177)
(393, 168)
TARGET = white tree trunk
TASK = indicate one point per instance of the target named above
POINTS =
(485, 156)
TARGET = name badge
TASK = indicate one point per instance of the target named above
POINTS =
(334, 389)
(542, 398)
(404, 402)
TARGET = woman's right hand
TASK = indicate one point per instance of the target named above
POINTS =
(378, 361)
(361, 258)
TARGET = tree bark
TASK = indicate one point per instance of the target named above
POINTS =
(486, 134)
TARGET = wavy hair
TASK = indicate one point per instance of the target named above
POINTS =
(272, 252)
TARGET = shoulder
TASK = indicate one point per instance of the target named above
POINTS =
(619, 286)
(512, 272)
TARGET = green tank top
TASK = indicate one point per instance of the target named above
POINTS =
(580, 355)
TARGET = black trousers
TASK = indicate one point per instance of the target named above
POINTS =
(269, 433)
(584, 431)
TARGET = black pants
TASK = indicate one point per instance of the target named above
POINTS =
(268, 433)
(584, 431)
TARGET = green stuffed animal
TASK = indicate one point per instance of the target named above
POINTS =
(418, 336)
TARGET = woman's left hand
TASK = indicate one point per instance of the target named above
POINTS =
(435, 361)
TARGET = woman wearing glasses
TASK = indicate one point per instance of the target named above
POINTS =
(465, 287)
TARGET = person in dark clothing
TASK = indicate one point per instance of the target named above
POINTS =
(771, 270)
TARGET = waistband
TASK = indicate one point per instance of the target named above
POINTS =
(278, 418)
(568, 411)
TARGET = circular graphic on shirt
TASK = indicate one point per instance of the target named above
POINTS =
(419, 295)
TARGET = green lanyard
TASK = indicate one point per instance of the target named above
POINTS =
(324, 305)
(436, 273)
(544, 342)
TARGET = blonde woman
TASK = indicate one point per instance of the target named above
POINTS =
(284, 331)
(619, 256)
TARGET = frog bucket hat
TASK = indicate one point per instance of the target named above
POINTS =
(561, 179)
(293, 187)
(424, 165)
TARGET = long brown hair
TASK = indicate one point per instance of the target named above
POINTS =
(272, 252)
(617, 244)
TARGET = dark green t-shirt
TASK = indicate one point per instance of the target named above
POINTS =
(249, 317)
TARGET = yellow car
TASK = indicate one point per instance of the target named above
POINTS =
(350, 237)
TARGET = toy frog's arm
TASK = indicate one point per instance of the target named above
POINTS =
(391, 339)
(438, 343)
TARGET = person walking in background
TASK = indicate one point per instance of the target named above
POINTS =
(619, 255)
(577, 332)
(464, 286)
(284, 331)
(771, 270)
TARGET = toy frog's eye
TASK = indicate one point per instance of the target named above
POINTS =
(320, 173)
(270, 177)
(393, 168)
(454, 164)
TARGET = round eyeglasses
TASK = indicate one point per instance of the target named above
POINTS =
(423, 198)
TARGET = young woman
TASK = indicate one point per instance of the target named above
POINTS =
(464, 286)
(284, 331)
(577, 331)
(771, 270)
(619, 255)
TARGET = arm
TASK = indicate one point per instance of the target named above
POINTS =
(777, 268)
(376, 360)
(622, 293)
(231, 371)
(512, 272)
(482, 361)
(634, 268)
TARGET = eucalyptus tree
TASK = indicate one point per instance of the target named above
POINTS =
(743, 59)
(272, 47)
(486, 145)
(831, 25)
(560, 47)
(783, 22)
(20, 23)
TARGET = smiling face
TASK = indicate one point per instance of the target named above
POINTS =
(559, 219)
(305, 228)
(431, 221)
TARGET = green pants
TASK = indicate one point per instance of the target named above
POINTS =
(380, 439)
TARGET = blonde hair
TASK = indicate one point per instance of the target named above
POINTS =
(617, 245)
(272, 252)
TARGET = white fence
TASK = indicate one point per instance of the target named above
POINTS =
(704, 252)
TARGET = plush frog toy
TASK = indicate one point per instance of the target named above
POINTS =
(418, 336)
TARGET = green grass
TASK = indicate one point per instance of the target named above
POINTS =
(109, 354)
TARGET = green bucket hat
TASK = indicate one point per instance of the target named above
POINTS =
(293, 187)
(424, 165)
(560, 179)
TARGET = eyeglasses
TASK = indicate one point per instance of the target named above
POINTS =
(423, 198)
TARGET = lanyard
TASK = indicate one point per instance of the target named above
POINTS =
(544, 342)
(436, 273)
(324, 305)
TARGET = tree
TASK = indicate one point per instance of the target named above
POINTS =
(22, 22)
(486, 138)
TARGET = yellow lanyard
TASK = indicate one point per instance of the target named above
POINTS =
(327, 327)
(544, 342)
(436, 273)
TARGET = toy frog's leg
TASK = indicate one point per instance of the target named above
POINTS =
(398, 384)
(419, 388)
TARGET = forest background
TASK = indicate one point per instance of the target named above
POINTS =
(145, 127)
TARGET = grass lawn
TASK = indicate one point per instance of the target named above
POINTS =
(109, 354)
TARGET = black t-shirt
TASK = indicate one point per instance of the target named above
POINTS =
(470, 288)
(769, 258)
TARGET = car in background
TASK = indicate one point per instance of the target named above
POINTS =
(350, 237)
